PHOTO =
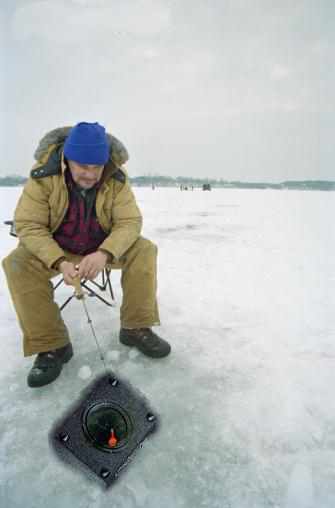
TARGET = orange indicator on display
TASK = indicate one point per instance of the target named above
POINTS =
(112, 440)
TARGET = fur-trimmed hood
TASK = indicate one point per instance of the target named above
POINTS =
(118, 152)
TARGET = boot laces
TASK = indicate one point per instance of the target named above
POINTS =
(143, 334)
(49, 354)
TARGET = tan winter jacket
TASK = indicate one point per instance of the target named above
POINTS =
(44, 201)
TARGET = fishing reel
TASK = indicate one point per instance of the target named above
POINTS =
(104, 429)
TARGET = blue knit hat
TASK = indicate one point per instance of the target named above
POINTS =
(87, 143)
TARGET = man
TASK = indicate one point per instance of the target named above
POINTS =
(76, 215)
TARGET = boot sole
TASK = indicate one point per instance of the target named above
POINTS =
(36, 384)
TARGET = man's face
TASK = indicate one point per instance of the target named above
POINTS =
(85, 175)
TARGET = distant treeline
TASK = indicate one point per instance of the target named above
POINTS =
(168, 181)
(12, 181)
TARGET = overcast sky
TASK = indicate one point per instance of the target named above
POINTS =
(232, 89)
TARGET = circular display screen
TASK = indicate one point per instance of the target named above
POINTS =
(107, 426)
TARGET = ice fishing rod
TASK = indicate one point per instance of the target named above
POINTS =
(79, 294)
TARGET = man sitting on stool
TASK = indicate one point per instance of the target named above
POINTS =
(77, 208)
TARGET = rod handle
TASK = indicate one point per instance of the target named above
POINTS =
(78, 288)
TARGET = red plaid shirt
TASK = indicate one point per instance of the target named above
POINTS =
(80, 231)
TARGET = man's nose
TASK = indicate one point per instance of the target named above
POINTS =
(93, 171)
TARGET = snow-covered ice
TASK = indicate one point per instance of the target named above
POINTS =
(246, 295)
(84, 372)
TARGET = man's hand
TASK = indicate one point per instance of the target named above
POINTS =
(69, 272)
(91, 265)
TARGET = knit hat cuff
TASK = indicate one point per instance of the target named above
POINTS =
(87, 154)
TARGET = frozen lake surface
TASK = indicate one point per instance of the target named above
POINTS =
(246, 399)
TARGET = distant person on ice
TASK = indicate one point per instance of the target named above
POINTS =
(78, 210)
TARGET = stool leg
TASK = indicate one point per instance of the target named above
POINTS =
(109, 283)
(93, 293)
(105, 281)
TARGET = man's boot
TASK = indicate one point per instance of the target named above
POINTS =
(146, 341)
(48, 366)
